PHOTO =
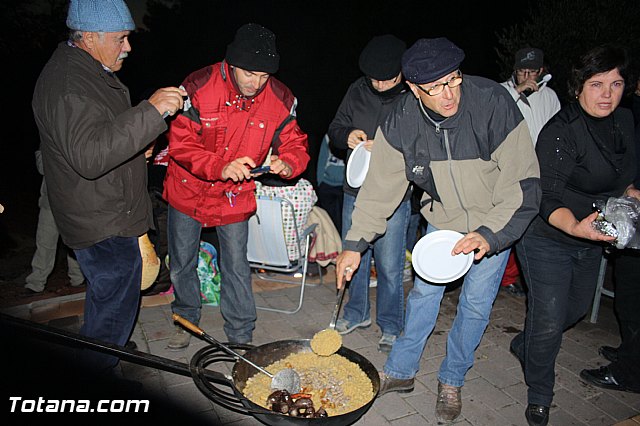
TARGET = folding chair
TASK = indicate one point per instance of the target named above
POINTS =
(267, 248)
(600, 290)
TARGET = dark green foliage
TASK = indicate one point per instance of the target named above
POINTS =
(565, 29)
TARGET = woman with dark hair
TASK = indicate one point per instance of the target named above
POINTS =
(586, 153)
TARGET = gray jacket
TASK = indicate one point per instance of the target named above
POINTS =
(92, 144)
(478, 168)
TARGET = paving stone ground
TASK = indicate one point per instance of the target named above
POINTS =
(494, 392)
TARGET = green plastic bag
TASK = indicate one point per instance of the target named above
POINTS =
(209, 274)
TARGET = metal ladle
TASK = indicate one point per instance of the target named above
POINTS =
(287, 379)
(328, 341)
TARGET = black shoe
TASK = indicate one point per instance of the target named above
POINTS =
(537, 415)
(131, 345)
(27, 292)
(609, 353)
(81, 285)
(603, 378)
(514, 289)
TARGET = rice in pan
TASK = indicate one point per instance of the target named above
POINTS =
(335, 383)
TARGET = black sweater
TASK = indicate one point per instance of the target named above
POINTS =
(579, 166)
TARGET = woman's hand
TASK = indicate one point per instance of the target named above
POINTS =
(584, 229)
(631, 191)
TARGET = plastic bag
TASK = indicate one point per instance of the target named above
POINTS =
(618, 217)
(209, 274)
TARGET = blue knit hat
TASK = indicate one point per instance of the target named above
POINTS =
(107, 16)
(430, 59)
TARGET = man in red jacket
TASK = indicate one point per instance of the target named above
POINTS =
(236, 115)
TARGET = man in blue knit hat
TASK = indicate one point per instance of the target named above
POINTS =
(463, 141)
(93, 144)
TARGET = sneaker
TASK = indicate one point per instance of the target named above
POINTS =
(386, 342)
(449, 402)
(391, 384)
(179, 340)
(345, 327)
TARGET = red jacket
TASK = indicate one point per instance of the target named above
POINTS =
(213, 130)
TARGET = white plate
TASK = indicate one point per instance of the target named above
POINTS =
(432, 259)
(358, 165)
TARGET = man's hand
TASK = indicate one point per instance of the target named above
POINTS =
(527, 85)
(346, 265)
(168, 100)
(237, 169)
(355, 137)
(279, 167)
(368, 145)
(471, 242)
(149, 151)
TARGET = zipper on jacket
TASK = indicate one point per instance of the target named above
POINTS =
(129, 193)
(455, 187)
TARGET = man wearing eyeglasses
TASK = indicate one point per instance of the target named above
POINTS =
(538, 103)
(464, 142)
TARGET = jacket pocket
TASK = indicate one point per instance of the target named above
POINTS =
(257, 138)
(214, 130)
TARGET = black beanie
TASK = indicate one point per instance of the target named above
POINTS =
(254, 49)
(380, 58)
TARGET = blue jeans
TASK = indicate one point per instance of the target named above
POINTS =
(237, 304)
(478, 293)
(561, 279)
(113, 269)
(389, 254)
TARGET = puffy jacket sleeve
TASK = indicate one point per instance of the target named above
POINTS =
(516, 194)
(292, 144)
(96, 142)
(381, 193)
(186, 146)
(341, 126)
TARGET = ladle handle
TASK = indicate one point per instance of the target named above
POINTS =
(200, 332)
(336, 309)
(188, 325)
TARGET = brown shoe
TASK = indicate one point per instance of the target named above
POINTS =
(391, 384)
(449, 402)
(179, 340)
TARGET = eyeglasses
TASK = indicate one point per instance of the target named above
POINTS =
(436, 89)
(528, 71)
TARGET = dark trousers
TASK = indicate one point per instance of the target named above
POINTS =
(330, 198)
(561, 280)
(627, 308)
(113, 269)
